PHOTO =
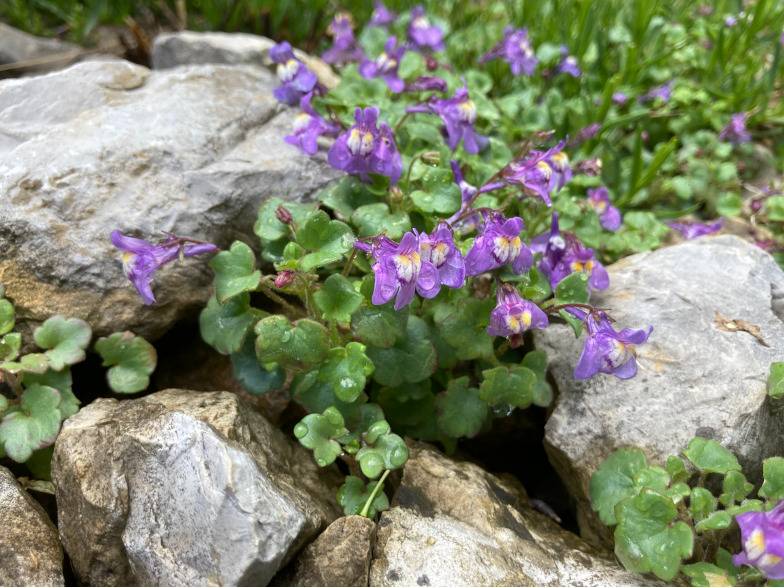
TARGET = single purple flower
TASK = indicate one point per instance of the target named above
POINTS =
(498, 245)
(663, 92)
(309, 126)
(423, 36)
(385, 66)
(589, 167)
(515, 49)
(345, 48)
(294, 76)
(562, 170)
(735, 131)
(762, 536)
(366, 149)
(620, 98)
(513, 315)
(608, 351)
(585, 134)
(440, 250)
(426, 84)
(568, 63)
(609, 215)
(731, 21)
(691, 230)
(537, 174)
(141, 258)
(382, 16)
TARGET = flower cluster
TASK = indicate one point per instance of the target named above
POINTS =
(516, 50)
(540, 172)
(295, 78)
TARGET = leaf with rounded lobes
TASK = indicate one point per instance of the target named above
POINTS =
(62, 382)
(412, 358)
(382, 450)
(735, 488)
(234, 272)
(346, 370)
(292, 346)
(647, 537)
(464, 327)
(708, 575)
(268, 228)
(677, 470)
(379, 326)
(224, 326)
(133, 360)
(373, 219)
(65, 339)
(318, 433)
(411, 65)
(248, 371)
(316, 396)
(614, 482)
(701, 503)
(747, 505)
(346, 196)
(337, 299)
(536, 361)
(504, 386)
(710, 456)
(716, 521)
(10, 345)
(460, 411)
(369, 415)
(572, 289)
(330, 239)
(775, 382)
(353, 495)
(30, 363)
(773, 472)
(653, 477)
(6, 316)
(34, 426)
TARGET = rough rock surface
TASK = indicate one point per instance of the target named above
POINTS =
(111, 145)
(21, 53)
(454, 524)
(184, 487)
(339, 556)
(30, 551)
(694, 379)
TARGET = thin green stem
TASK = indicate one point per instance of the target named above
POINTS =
(376, 489)
(13, 383)
(350, 262)
(276, 298)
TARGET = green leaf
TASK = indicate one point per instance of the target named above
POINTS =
(292, 346)
(318, 433)
(382, 450)
(3, 404)
(653, 477)
(369, 415)
(647, 537)
(379, 326)
(701, 503)
(254, 378)
(572, 289)
(464, 327)
(412, 358)
(708, 575)
(735, 488)
(331, 239)
(353, 495)
(268, 228)
(346, 370)
(716, 521)
(6, 316)
(30, 363)
(776, 380)
(374, 219)
(346, 196)
(710, 456)
(536, 361)
(443, 194)
(412, 65)
(62, 382)
(773, 472)
(10, 345)
(677, 470)
(747, 505)
(65, 339)
(573, 321)
(460, 411)
(134, 359)
(614, 482)
(32, 427)
(508, 387)
(317, 396)
(337, 299)
(234, 272)
(224, 326)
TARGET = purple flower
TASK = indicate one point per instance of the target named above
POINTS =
(608, 351)
(421, 35)
(609, 215)
(141, 258)
(562, 171)
(540, 172)
(385, 66)
(498, 245)
(382, 16)
(585, 134)
(459, 115)
(426, 84)
(731, 21)
(515, 49)
(365, 149)
(663, 92)
(762, 536)
(620, 98)
(513, 315)
(735, 131)
(345, 48)
(308, 127)
(294, 76)
(440, 250)
(691, 230)
(568, 63)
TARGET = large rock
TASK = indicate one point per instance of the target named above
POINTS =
(454, 524)
(694, 379)
(111, 145)
(184, 487)
(30, 551)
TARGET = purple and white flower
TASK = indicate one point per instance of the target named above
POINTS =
(540, 172)
(385, 66)
(309, 126)
(422, 35)
(515, 49)
(608, 351)
(762, 537)
(295, 78)
(735, 131)
(440, 250)
(382, 16)
(513, 315)
(499, 244)
(691, 230)
(568, 63)
(662, 92)
(609, 215)
(345, 48)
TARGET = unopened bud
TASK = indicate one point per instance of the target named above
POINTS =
(431, 158)
(284, 278)
(282, 214)
(589, 167)
(396, 194)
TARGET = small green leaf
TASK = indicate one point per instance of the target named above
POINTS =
(572, 290)
(3, 404)
(6, 316)
(653, 477)
(573, 321)
(411, 359)
(508, 387)
(382, 450)
(773, 472)
(254, 378)
(353, 495)
(735, 488)
(369, 415)
(379, 326)
(375, 218)
(747, 505)
(677, 491)
(62, 382)
(708, 575)
(31, 363)
(412, 65)
(460, 411)
(292, 346)
(701, 503)
(347, 370)
(716, 521)
(234, 272)
(134, 359)
(34, 426)
(776, 380)
(614, 482)
(346, 196)
(677, 470)
(317, 396)
(536, 361)
(65, 339)
(710, 456)
(464, 327)
(330, 239)
(10, 345)
(224, 326)
(318, 433)
(337, 299)
(268, 228)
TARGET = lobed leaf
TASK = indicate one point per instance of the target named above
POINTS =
(382, 450)
(775, 383)
(337, 299)
(65, 339)
(133, 360)
(251, 374)
(234, 271)
(10, 345)
(773, 472)
(330, 239)
(224, 326)
(373, 219)
(614, 482)
(292, 346)
(572, 289)
(735, 488)
(34, 425)
(411, 359)
(710, 456)
(708, 575)
(461, 412)
(7, 321)
(353, 495)
(379, 326)
(319, 432)
(346, 370)
(508, 387)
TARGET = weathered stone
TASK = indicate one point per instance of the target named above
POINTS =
(184, 487)
(339, 556)
(111, 145)
(454, 524)
(693, 379)
(21, 53)
(190, 48)
(30, 551)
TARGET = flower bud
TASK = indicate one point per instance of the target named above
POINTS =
(285, 277)
(283, 215)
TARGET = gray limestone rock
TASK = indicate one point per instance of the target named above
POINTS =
(454, 524)
(21, 53)
(30, 551)
(111, 145)
(694, 379)
(184, 487)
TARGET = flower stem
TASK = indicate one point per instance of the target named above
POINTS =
(376, 489)
(13, 383)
